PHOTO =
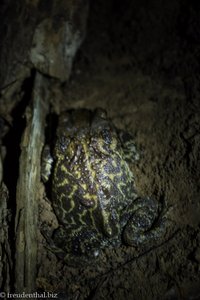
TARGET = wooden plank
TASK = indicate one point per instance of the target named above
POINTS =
(28, 186)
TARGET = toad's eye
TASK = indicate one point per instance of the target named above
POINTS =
(63, 143)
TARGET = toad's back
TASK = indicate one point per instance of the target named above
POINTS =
(91, 180)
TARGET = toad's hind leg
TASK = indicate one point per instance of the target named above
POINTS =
(148, 224)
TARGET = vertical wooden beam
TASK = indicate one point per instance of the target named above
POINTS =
(28, 186)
